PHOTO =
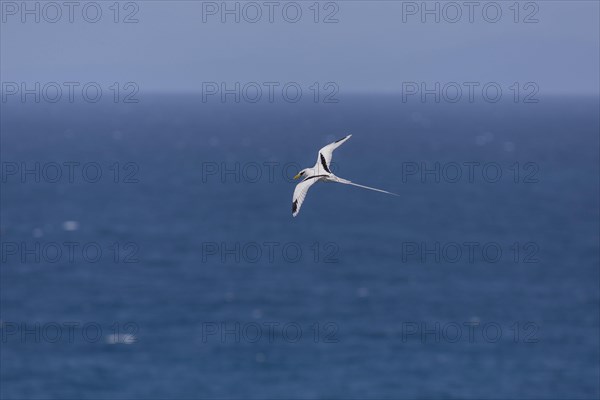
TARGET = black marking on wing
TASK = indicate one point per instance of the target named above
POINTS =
(341, 139)
(324, 163)
(294, 206)
(314, 176)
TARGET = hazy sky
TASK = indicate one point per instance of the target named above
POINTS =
(374, 46)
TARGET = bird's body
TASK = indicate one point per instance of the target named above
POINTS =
(321, 172)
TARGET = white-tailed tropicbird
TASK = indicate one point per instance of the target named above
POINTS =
(322, 172)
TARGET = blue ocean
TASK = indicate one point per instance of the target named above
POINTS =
(149, 251)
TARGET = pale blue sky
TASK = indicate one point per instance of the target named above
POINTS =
(370, 49)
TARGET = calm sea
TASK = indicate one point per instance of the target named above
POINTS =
(148, 251)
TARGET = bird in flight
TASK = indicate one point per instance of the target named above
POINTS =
(322, 172)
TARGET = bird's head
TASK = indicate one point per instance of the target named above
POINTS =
(301, 173)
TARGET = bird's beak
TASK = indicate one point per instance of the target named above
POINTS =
(297, 176)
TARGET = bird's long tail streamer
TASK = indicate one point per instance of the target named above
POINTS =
(367, 187)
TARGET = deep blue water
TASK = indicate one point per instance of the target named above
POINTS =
(356, 306)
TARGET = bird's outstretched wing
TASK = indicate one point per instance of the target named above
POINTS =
(325, 154)
(300, 193)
